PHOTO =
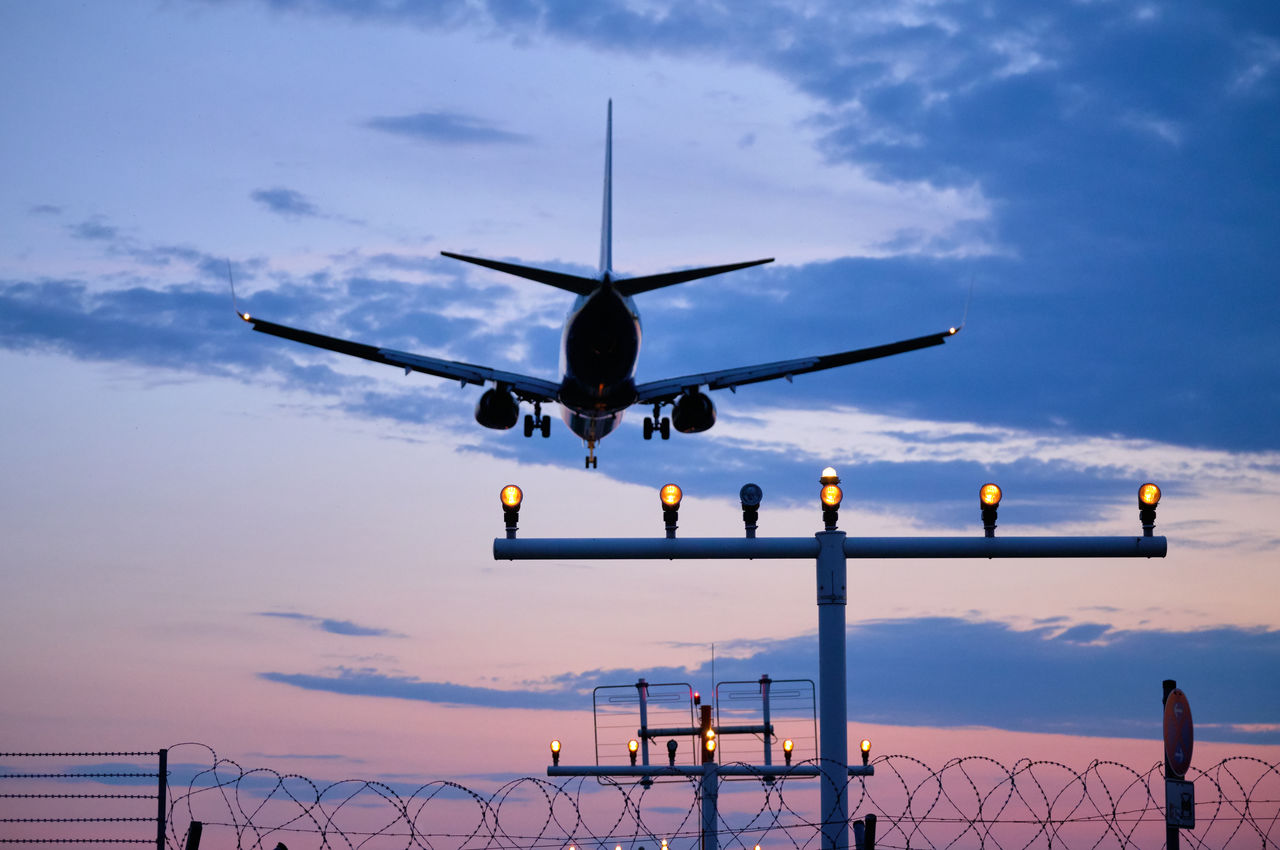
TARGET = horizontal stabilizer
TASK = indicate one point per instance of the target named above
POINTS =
(635, 285)
(571, 282)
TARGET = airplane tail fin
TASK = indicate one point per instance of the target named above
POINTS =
(585, 285)
(606, 216)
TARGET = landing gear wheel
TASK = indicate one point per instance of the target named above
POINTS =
(528, 425)
(545, 426)
(590, 462)
(648, 428)
(665, 428)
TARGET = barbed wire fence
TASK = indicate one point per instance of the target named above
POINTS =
(968, 802)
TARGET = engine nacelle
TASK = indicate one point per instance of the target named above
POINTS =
(497, 409)
(693, 412)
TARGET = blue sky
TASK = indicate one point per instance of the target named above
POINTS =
(199, 510)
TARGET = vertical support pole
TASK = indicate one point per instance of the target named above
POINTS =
(833, 711)
(765, 681)
(1173, 840)
(710, 801)
(162, 797)
(194, 831)
(643, 688)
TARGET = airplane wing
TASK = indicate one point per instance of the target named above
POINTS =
(668, 389)
(525, 387)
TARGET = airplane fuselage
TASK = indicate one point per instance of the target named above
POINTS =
(598, 353)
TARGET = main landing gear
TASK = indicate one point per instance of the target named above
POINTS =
(657, 424)
(537, 422)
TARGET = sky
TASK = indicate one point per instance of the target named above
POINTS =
(212, 535)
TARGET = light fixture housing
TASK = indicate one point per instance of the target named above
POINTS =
(866, 750)
(787, 746)
(989, 496)
(749, 496)
(511, 497)
(555, 752)
(672, 746)
(670, 495)
(633, 746)
(830, 496)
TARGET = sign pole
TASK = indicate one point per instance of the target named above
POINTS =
(1171, 837)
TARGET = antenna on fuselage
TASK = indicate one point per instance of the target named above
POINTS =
(606, 217)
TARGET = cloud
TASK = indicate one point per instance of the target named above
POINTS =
(93, 229)
(369, 682)
(337, 627)
(1089, 679)
(448, 128)
(286, 202)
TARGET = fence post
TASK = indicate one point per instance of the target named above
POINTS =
(162, 797)
(194, 831)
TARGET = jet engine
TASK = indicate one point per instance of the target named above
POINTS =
(497, 409)
(693, 412)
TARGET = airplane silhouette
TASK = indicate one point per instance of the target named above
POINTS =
(600, 345)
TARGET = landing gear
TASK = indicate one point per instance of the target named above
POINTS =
(537, 422)
(657, 424)
(591, 454)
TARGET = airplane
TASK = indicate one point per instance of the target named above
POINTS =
(599, 349)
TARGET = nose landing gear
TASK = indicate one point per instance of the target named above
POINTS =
(591, 454)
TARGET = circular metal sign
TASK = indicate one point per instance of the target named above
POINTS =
(1178, 736)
